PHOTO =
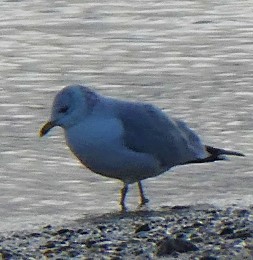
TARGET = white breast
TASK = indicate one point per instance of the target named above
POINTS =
(93, 135)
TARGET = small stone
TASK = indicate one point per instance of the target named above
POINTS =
(48, 252)
(196, 238)
(102, 227)
(73, 253)
(180, 207)
(116, 257)
(169, 245)
(82, 231)
(47, 227)
(50, 244)
(197, 224)
(35, 235)
(243, 233)
(89, 243)
(138, 252)
(104, 244)
(180, 235)
(144, 227)
(226, 231)
(208, 258)
(64, 231)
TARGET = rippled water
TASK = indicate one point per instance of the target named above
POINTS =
(194, 59)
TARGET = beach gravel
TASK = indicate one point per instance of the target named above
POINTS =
(182, 232)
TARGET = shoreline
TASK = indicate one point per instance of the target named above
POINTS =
(183, 232)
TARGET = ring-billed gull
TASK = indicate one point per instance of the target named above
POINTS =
(129, 141)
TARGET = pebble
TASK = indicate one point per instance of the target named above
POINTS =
(170, 245)
(144, 227)
(226, 231)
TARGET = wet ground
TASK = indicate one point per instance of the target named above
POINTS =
(194, 59)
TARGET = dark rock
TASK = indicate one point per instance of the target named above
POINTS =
(105, 244)
(64, 231)
(226, 222)
(181, 221)
(242, 233)
(138, 252)
(208, 255)
(118, 249)
(48, 253)
(170, 245)
(226, 231)
(212, 211)
(123, 244)
(63, 249)
(180, 207)
(208, 258)
(35, 235)
(47, 227)
(82, 231)
(73, 253)
(197, 224)
(95, 232)
(50, 244)
(89, 243)
(180, 235)
(196, 238)
(116, 257)
(102, 227)
(144, 227)
(187, 228)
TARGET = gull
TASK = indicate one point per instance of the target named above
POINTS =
(128, 141)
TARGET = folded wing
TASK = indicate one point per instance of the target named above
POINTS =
(148, 130)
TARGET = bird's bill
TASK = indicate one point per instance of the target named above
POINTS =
(46, 128)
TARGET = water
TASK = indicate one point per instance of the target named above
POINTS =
(194, 59)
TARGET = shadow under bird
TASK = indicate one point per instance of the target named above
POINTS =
(129, 141)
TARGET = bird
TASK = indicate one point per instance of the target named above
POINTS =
(126, 140)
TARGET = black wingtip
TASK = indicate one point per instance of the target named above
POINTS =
(216, 154)
(217, 151)
(240, 154)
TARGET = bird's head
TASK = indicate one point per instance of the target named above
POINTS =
(70, 105)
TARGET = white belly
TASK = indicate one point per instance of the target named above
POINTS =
(99, 145)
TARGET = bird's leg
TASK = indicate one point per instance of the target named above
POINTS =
(123, 196)
(144, 200)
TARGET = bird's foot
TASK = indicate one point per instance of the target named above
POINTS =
(143, 204)
(144, 201)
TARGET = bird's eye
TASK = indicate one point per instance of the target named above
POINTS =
(63, 109)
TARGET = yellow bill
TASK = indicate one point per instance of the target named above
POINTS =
(46, 128)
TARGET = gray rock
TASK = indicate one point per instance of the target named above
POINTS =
(144, 227)
(170, 245)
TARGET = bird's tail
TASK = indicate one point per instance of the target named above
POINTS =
(216, 154)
